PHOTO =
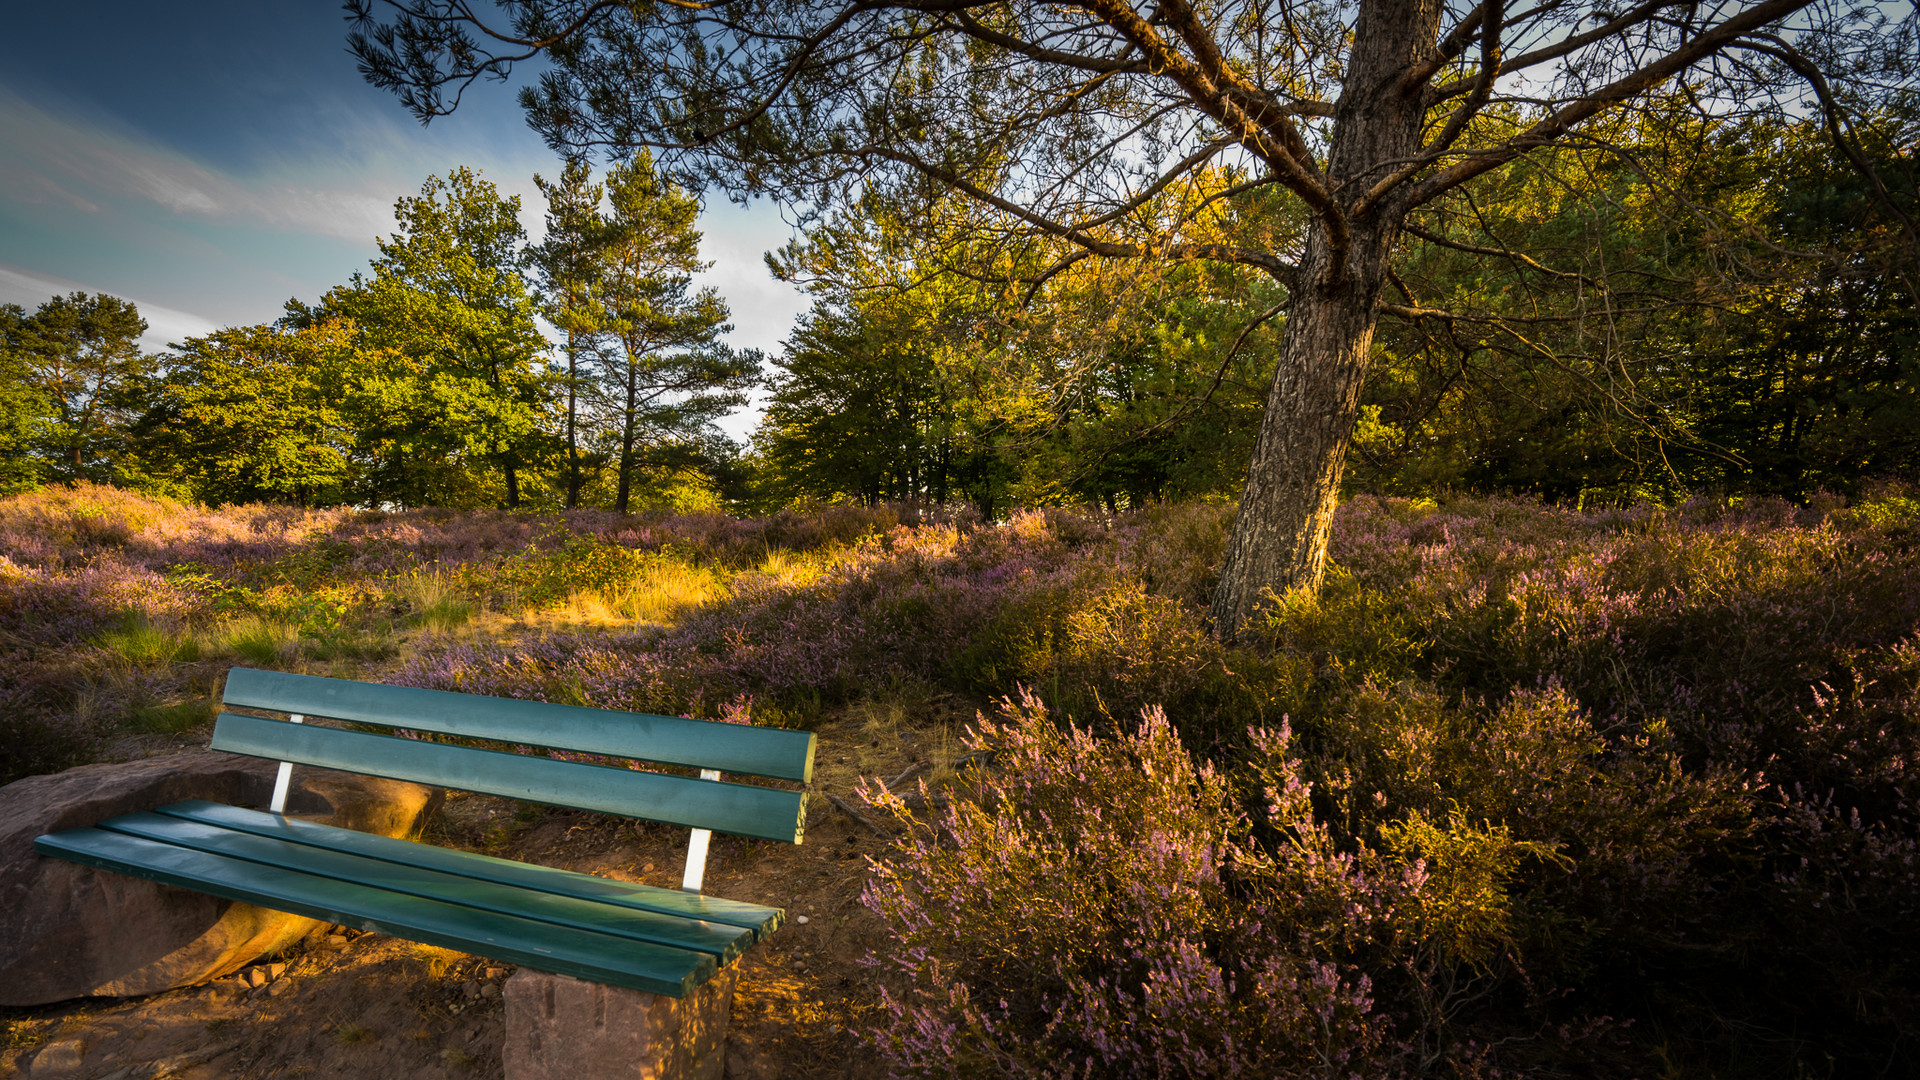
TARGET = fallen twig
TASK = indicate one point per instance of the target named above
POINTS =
(847, 808)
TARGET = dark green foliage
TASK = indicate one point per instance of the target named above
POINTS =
(72, 377)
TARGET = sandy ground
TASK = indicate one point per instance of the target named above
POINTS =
(350, 1005)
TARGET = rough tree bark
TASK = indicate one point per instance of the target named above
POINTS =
(1279, 538)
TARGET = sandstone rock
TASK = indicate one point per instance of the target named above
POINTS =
(57, 1058)
(560, 1028)
(73, 931)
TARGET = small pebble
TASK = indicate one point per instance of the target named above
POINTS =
(495, 972)
(336, 941)
(256, 978)
(490, 990)
(274, 971)
(802, 920)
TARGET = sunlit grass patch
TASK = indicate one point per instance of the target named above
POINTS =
(436, 601)
(659, 592)
(663, 589)
(142, 642)
(256, 640)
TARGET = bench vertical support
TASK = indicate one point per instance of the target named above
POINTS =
(697, 849)
(284, 779)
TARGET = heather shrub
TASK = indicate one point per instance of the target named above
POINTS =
(1096, 907)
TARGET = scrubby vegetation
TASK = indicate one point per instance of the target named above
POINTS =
(1622, 792)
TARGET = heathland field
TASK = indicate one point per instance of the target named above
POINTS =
(1621, 792)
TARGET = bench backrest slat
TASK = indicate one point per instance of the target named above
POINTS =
(676, 800)
(669, 740)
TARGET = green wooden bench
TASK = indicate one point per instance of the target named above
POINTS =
(657, 940)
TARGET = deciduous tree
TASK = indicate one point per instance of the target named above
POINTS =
(447, 293)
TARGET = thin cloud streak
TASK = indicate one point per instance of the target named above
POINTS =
(165, 325)
(60, 157)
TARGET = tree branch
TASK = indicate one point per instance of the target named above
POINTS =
(1552, 127)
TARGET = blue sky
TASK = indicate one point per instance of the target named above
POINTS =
(209, 160)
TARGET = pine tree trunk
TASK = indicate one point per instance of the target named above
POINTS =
(573, 446)
(632, 415)
(1279, 540)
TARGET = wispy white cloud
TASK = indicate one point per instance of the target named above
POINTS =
(164, 324)
(62, 156)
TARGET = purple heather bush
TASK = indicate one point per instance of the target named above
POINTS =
(1099, 908)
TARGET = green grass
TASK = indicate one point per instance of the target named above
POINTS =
(171, 719)
(143, 643)
(257, 640)
(436, 602)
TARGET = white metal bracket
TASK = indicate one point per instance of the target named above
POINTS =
(285, 779)
(697, 848)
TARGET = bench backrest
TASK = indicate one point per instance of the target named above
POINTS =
(701, 804)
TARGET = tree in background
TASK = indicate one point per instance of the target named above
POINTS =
(664, 376)
(918, 374)
(23, 408)
(447, 293)
(1061, 122)
(81, 359)
(567, 263)
(1744, 327)
(267, 414)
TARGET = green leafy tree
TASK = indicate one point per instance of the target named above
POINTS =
(447, 293)
(23, 407)
(664, 375)
(268, 414)
(1115, 384)
(82, 353)
(1744, 326)
(858, 411)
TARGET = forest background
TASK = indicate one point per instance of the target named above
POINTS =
(1745, 326)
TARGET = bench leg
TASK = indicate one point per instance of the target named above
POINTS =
(561, 1028)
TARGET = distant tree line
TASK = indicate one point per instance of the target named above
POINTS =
(1746, 326)
(427, 381)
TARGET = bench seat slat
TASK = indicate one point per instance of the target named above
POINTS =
(543, 946)
(724, 943)
(731, 748)
(758, 919)
(766, 813)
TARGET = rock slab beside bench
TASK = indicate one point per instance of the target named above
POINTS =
(72, 931)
